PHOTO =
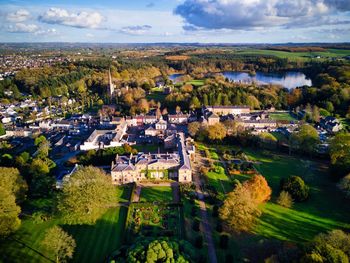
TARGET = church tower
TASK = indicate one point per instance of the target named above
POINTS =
(111, 86)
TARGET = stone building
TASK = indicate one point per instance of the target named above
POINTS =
(175, 166)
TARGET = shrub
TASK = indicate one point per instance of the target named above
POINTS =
(296, 187)
(224, 238)
(285, 199)
(344, 185)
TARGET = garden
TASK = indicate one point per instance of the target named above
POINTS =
(151, 220)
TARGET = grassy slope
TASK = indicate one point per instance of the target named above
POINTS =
(156, 193)
(94, 242)
(324, 210)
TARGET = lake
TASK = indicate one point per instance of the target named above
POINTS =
(289, 80)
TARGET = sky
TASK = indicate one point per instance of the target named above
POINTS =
(185, 21)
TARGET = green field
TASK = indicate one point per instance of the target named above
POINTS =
(330, 53)
(324, 210)
(283, 116)
(194, 82)
(94, 242)
(156, 96)
(156, 193)
(219, 180)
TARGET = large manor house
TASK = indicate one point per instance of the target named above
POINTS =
(145, 166)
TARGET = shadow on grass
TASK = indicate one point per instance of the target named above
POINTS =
(95, 242)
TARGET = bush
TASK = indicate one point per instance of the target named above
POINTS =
(195, 225)
(344, 185)
(296, 187)
(224, 238)
(285, 199)
(199, 242)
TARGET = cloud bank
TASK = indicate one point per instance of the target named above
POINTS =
(253, 14)
(80, 20)
(136, 30)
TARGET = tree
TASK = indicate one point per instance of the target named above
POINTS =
(285, 199)
(2, 129)
(258, 188)
(195, 103)
(161, 250)
(306, 138)
(339, 152)
(344, 185)
(9, 211)
(296, 187)
(11, 180)
(193, 128)
(231, 127)
(217, 131)
(86, 196)
(333, 246)
(239, 210)
(39, 140)
(59, 243)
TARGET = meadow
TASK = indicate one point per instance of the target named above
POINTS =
(94, 242)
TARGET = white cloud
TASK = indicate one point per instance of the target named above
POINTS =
(81, 19)
(47, 32)
(89, 35)
(136, 30)
(22, 28)
(18, 16)
(253, 14)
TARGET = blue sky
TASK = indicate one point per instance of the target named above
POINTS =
(206, 21)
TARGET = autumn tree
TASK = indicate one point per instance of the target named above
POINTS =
(239, 210)
(217, 131)
(259, 188)
(285, 199)
(86, 196)
(193, 128)
(59, 244)
(9, 212)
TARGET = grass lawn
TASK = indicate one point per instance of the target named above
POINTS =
(156, 193)
(283, 116)
(152, 148)
(219, 180)
(324, 210)
(157, 96)
(123, 193)
(94, 242)
(195, 82)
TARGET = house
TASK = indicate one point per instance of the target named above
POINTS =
(178, 118)
(157, 129)
(212, 118)
(226, 110)
(331, 124)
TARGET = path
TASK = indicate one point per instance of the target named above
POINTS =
(137, 193)
(206, 227)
